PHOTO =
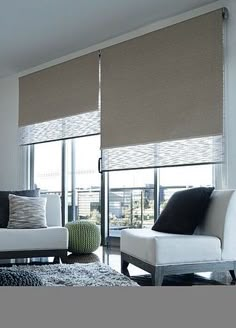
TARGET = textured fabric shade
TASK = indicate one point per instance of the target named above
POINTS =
(60, 102)
(206, 150)
(164, 87)
(63, 90)
(63, 128)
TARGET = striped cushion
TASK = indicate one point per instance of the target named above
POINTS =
(27, 212)
(4, 202)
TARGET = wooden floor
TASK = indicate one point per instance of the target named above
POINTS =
(111, 257)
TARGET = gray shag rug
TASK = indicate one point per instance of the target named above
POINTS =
(92, 274)
(19, 278)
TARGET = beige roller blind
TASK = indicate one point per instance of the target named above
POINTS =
(60, 91)
(166, 85)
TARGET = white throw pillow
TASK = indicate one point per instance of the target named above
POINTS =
(27, 212)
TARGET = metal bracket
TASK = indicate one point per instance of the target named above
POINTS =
(225, 13)
(99, 165)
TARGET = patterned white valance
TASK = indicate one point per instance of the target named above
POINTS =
(64, 128)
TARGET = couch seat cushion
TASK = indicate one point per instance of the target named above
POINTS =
(158, 248)
(33, 239)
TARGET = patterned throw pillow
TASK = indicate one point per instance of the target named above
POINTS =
(27, 212)
(4, 202)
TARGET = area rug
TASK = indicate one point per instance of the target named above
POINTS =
(93, 274)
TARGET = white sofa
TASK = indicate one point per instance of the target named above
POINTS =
(44, 242)
(211, 248)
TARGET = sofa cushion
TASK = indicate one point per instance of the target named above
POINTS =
(27, 212)
(33, 239)
(184, 211)
(4, 203)
(159, 248)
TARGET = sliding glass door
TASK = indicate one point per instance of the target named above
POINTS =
(69, 169)
(48, 167)
(115, 200)
(173, 179)
(131, 200)
(84, 179)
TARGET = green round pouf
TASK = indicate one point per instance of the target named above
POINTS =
(84, 237)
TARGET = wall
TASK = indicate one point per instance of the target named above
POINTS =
(9, 151)
(229, 169)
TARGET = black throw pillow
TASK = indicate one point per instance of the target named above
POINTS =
(4, 203)
(184, 211)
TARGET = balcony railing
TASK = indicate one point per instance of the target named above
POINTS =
(128, 207)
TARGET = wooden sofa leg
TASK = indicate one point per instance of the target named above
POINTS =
(124, 267)
(232, 273)
(157, 277)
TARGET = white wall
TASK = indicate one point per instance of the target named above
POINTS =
(229, 170)
(9, 151)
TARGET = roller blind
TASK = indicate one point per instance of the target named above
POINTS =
(162, 97)
(60, 101)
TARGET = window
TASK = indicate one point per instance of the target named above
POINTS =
(84, 179)
(131, 200)
(48, 166)
(80, 174)
(173, 179)
(134, 197)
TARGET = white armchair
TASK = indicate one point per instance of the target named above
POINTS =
(211, 248)
(43, 242)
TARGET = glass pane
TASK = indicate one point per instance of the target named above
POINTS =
(86, 163)
(68, 180)
(47, 166)
(131, 200)
(87, 179)
(173, 179)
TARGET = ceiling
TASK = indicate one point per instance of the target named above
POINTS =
(33, 32)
